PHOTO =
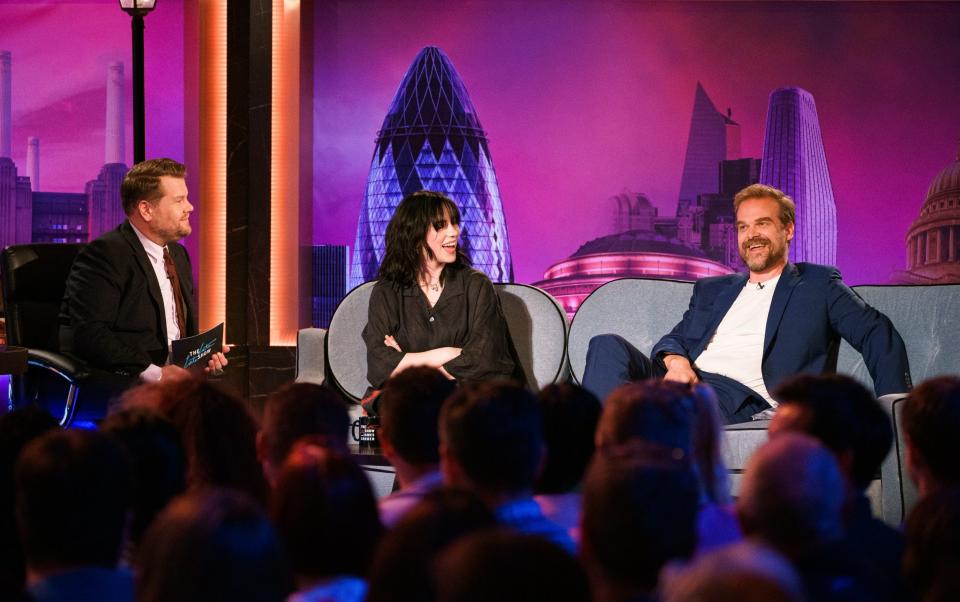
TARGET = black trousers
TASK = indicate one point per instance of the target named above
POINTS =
(613, 361)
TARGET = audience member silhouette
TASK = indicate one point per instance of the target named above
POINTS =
(931, 420)
(491, 442)
(297, 410)
(677, 421)
(17, 428)
(741, 572)
(212, 544)
(931, 563)
(73, 491)
(401, 567)
(158, 466)
(409, 407)
(570, 414)
(791, 499)
(217, 430)
(326, 516)
(843, 416)
(639, 512)
(508, 567)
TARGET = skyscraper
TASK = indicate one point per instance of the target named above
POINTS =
(432, 139)
(330, 271)
(794, 161)
(714, 137)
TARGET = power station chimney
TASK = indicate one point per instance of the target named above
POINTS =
(114, 130)
(5, 95)
(33, 162)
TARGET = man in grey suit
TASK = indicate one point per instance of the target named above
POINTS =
(130, 292)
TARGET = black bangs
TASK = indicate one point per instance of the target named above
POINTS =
(443, 210)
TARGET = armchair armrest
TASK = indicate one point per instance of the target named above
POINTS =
(311, 355)
(70, 368)
(897, 491)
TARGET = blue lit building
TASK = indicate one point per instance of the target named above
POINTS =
(432, 139)
(330, 267)
(794, 162)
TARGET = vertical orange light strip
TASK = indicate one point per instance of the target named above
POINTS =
(213, 162)
(284, 172)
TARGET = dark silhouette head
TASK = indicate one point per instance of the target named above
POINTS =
(325, 513)
(17, 428)
(931, 419)
(401, 567)
(157, 459)
(218, 434)
(570, 415)
(297, 410)
(506, 566)
(931, 561)
(639, 512)
(672, 420)
(73, 492)
(841, 414)
(409, 409)
(792, 495)
(492, 439)
(212, 544)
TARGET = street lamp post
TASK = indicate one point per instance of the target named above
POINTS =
(138, 9)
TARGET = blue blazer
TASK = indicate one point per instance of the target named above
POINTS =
(811, 310)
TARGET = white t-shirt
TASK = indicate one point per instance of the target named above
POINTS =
(736, 349)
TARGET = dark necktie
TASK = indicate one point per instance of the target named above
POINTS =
(177, 293)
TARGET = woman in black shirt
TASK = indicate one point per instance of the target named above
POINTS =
(429, 308)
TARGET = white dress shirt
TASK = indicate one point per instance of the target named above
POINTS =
(155, 255)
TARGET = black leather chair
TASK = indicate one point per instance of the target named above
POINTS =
(34, 277)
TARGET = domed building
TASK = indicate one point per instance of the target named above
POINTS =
(641, 248)
(933, 241)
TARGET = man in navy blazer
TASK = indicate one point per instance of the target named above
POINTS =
(746, 333)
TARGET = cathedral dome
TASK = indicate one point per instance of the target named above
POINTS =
(944, 191)
(933, 240)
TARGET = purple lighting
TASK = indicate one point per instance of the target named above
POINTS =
(794, 161)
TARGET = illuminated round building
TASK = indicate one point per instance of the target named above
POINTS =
(933, 241)
(631, 254)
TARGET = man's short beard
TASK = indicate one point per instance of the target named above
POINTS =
(772, 259)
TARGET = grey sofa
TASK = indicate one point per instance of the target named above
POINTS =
(643, 310)
(337, 356)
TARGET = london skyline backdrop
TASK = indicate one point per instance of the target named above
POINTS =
(579, 101)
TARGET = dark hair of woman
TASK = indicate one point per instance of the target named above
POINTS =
(406, 244)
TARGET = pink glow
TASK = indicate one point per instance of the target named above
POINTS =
(60, 56)
(583, 99)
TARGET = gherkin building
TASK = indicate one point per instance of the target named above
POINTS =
(431, 139)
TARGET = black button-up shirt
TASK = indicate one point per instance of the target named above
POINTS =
(467, 315)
